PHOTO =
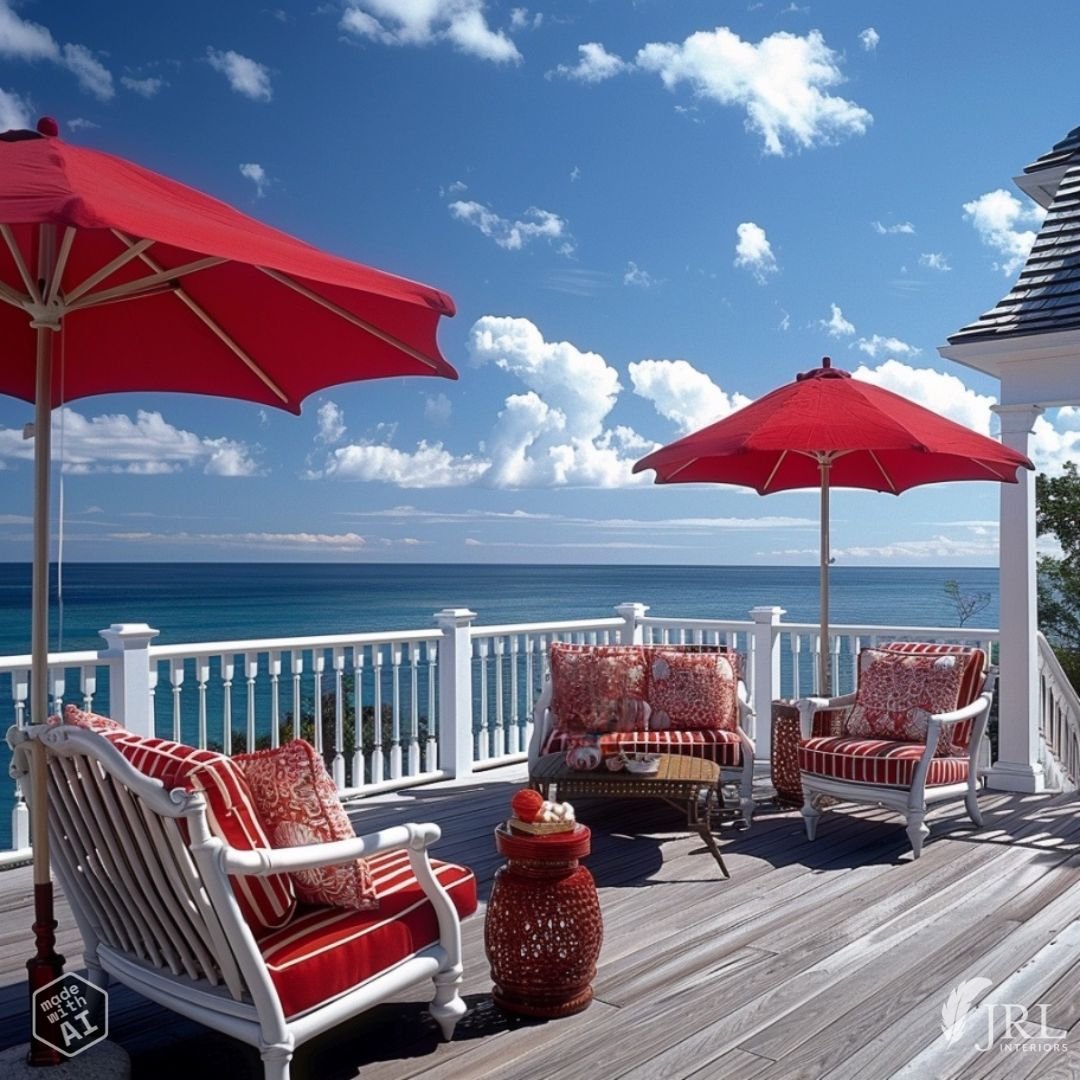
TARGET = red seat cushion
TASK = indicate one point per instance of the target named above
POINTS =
(265, 902)
(325, 952)
(723, 747)
(876, 761)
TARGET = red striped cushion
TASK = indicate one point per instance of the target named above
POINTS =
(970, 685)
(325, 952)
(723, 747)
(875, 761)
(265, 902)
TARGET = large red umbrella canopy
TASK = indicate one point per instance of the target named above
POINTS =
(828, 429)
(149, 285)
(871, 437)
(198, 297)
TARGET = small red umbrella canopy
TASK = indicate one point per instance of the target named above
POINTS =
(154, 286)
(828, 429)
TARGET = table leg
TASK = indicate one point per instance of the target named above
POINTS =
(703, 826)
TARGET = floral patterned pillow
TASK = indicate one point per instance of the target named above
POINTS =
(689, 691)
(598, 688)
(81, 718)
(896, 690)
(297, 804)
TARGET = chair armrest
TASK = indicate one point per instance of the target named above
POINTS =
(810, 705)
(541, 722)
(263, 861)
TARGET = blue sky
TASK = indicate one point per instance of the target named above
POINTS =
(647, 212)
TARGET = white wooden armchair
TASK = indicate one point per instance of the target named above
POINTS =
(152, 890)
(904, 775)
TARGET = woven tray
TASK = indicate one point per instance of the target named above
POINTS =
(540, 828)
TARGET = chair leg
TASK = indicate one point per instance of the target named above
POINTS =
(810, 814)
(447, 1007)
(971, 801)
(276, 1059)
(917, 830)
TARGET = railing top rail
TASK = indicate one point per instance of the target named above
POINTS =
(568, 626)
(964, 633)
(56, 660)
(322, 641)
(1048, 658)
(698, 624)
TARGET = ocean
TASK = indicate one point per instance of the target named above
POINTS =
(191, 602)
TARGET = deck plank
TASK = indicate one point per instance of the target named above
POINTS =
(829, 959)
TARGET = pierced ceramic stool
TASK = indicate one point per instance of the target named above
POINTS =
(543, 930)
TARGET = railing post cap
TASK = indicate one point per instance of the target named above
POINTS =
(767, 614)
(129, 635)
(632, 607)
(454, 616)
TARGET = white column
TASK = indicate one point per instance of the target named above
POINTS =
(1017, 767)
(128, 649)
(455, 691)
(631, 632)
(766, 676)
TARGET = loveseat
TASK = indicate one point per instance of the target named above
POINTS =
(671, 699)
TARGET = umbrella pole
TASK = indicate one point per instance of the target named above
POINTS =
(45, 965)
(824, 464)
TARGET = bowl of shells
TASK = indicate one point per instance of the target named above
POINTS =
(534, 814)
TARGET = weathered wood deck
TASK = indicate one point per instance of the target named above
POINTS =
(830, 959)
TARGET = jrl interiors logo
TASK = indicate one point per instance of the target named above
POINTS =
(1006, 1026)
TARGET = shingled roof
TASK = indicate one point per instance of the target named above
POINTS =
(1046, 296)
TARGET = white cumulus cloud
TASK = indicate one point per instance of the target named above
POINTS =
(877, 344)
(463, 23)
(869, 39)
(782, 82)
(753, 251)
(635, 275)
(430, 465)
(682, 394)
(900, 228)
(836, 324)
(437, 407)
(595, 64)
(534, 224)
(935, 260)
(331, 420)
(246, 76)
(147, 88)
(147, 445)
(93, 76)
(14, 112)
(254, 172)
(999, 218)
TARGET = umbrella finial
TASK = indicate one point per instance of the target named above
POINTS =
(48, 126)
(826, 361)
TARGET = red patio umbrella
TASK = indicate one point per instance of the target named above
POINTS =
(156, 286)
(827, 429)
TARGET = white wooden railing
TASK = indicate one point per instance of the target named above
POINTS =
(1059, 722)
(407, 707)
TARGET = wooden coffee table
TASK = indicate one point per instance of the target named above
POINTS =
(687, 783)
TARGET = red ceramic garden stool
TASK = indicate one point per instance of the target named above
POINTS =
(543, 929)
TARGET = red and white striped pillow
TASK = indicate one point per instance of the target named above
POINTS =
(265, 902)
(297, 803)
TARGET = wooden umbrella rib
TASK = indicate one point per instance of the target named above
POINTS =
(211, 324)
(134, 288)
(774, 471)
(881, 469)
(349, 317)
(108, 269)
(61, 262)
(20, 263)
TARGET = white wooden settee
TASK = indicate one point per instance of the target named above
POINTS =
(149, 885)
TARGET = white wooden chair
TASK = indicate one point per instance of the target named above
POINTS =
(902, 776)
(157, 913)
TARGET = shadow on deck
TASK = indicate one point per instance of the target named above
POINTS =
(830, 959)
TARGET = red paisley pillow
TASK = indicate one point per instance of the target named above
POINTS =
(297, 804)
(690, 691)
(897, 689)
(598, 688)
(81, 718)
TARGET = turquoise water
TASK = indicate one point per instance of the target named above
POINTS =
(221, 601)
